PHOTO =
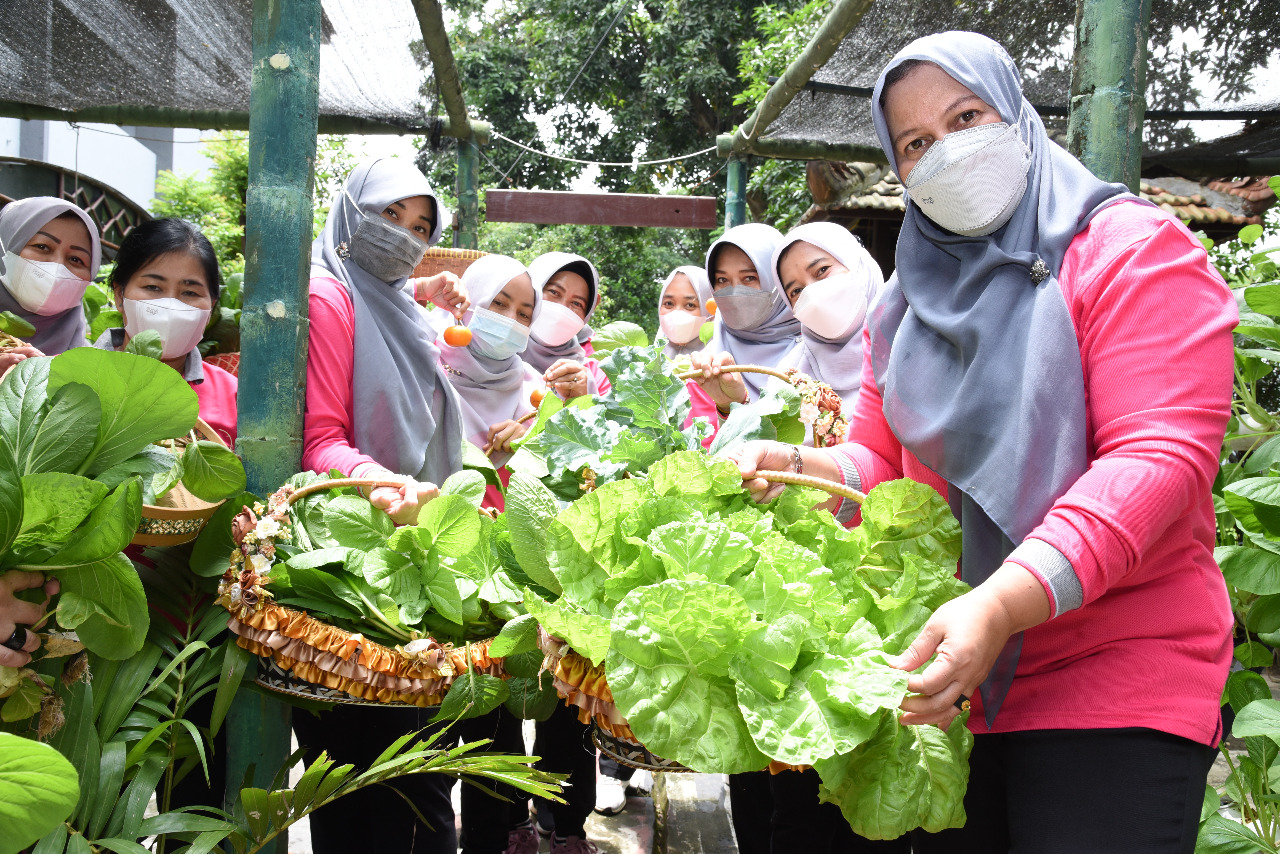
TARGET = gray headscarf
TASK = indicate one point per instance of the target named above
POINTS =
(19, 221)
(702, 290)
(771, 343)
(491, 390)
(406, 415)
(977, 359)
(834, 361)
(542, 356)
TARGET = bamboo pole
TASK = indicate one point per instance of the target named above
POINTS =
(443, 66)
(735, 201)
(1108, 88)
(167, 117)
(466, 235)
(843, 18)
(284, 100)
(805, 149)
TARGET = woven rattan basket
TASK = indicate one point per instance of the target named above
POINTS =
(304, 657)
(443, 260)
(180, 516)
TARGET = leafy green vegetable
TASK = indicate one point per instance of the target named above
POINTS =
(38, 790)
(146, 343)
(11, 324)
(104, 603)
(620, 333)
(732, 634)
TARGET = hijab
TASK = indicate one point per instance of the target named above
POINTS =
(405, 414)
(972, 342)
(542, 356)
(491, 390)
(702, 289)
(771, 342)
(834, 361)
(19, 222)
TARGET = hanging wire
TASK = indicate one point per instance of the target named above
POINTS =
(626, 7)
(632, 163)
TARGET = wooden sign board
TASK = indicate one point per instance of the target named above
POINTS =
(550, 207)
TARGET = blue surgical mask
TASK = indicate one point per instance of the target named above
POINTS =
(496, 337)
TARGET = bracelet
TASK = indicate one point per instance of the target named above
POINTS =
(796, 462)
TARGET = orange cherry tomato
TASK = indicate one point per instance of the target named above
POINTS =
(457, 336)
(536, 396)
(711, 306)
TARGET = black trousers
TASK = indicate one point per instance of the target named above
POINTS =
(486, 819)
(373, 819)
(781, 814)
(565, 747)
(1128, 791)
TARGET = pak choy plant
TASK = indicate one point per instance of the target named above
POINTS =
(77, 462)
(594, 440)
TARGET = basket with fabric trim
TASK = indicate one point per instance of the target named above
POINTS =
(308, 658)
(180, 516)
(441, 259)
(820, 406)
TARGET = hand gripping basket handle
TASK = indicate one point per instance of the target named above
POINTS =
(739, 369)
(828, 486)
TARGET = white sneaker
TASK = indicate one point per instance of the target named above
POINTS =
(611, 795)
(641, 783)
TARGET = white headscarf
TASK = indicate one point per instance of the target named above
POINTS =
(19, 221)
(491, 390)
(771, 343)
(834, 361)
(702, 289)
(542, 356)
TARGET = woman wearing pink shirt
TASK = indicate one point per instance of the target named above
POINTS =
(559, 341)
(1055, 357)
(379, 405)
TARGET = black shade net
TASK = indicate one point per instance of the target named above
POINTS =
(1203, 55)
(197, 55)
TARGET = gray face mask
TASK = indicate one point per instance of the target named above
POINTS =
(385, 250)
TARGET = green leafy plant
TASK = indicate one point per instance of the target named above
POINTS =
(734, 634)
(38, 789)
(13, 328)
(76, 442)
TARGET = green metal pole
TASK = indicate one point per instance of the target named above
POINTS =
(735, 202)
(1108, 88)
(284, 105)
(467, 234)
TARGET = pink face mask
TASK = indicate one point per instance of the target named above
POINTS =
(680, 326)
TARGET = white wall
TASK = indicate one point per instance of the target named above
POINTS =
(105, 153)
(10, 131)
(188, 153)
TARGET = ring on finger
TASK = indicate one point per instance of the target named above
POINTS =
(17, 640)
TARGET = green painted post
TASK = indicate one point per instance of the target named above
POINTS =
(284, 105)
(735, 201)
(1108, 88)
(467, 234)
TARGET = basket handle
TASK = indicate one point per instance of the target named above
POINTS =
(828, 486)
(740, 369)
(371, 482)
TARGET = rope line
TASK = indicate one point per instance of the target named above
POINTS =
(632, 163)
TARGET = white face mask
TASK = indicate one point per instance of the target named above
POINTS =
(180, 326)
(556, 324)
(495, 336)
(680, 326)
(970, 182)
(42, 287)
(833, 307)
(742, 307)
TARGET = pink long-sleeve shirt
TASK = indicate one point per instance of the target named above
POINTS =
(328, 424)
(1147, 641)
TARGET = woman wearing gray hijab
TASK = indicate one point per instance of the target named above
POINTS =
(379, 405)
(558, 342)
(1055, 357)
(49, 252)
